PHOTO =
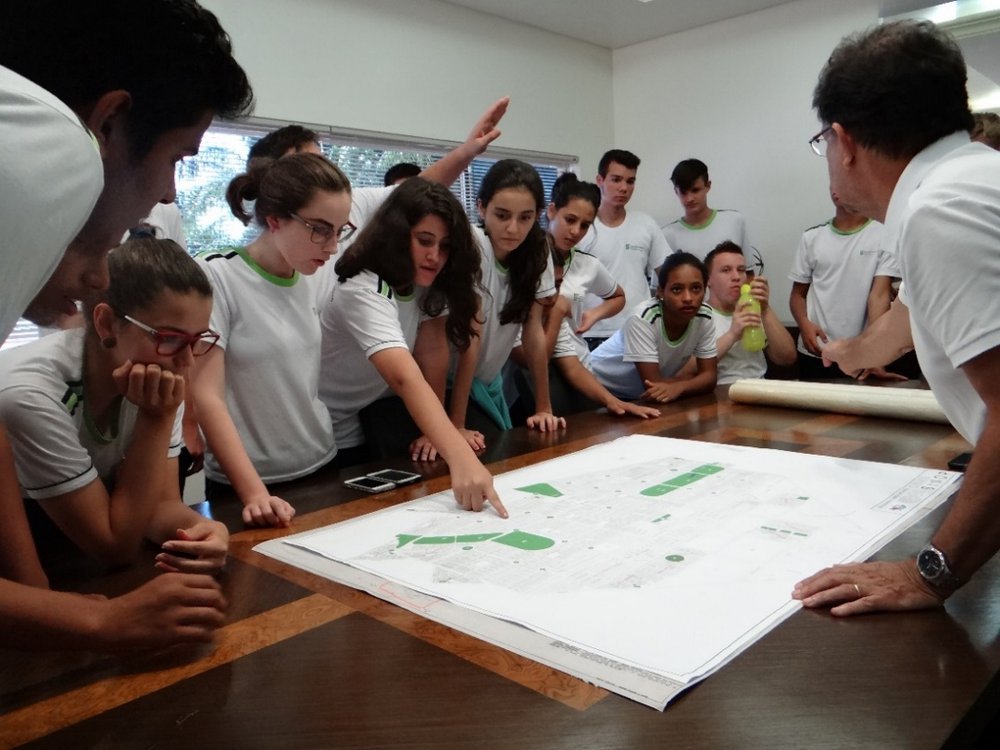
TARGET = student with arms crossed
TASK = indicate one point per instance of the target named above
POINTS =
(645, 358)
(896, 140)
(727, 273)
(627, 242)
(702, 228)
(77, 98)
(416, 261)
(105, 401)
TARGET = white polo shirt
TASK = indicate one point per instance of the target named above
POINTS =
(944, 221)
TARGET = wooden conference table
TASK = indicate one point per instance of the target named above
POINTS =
(307, 663)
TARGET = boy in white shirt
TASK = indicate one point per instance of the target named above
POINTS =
(628, 243)
(701, 229)
(841, 282)
(727, 272)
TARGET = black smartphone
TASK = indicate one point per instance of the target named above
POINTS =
(960, 462)
(370, 484)
(396, 476)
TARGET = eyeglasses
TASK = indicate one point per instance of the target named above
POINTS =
(818, 142)
(170, 343)
(320, 234)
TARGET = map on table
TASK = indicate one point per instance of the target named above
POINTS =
(641, 565)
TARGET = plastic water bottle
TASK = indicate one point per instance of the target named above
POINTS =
(753, 336)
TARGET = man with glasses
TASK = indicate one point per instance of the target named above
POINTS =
(842, 278)
(895, 111)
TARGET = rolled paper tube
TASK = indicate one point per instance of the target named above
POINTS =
(895, 403)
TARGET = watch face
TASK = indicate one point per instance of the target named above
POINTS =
(930, 563)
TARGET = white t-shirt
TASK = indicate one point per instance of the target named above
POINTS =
(839, 267)
(583, 275)
(57, 448)
(724, 224)
(644, 339)
(167, 223)
(631, 251)
(363, 317)
(944, 222)
(365, 201)
(51, 175)
(497, 339)
(737, 363)
(269, 329)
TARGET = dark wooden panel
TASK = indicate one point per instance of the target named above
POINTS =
(305, 662)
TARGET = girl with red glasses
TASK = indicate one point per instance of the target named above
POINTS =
(94, 414)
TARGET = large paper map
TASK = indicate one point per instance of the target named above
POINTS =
(661, 557)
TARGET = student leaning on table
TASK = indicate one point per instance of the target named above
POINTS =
(895, 132)
(94, 414)
(111, 122)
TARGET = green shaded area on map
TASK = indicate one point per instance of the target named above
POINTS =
(681, 480)
(541, 489)
(518, 539)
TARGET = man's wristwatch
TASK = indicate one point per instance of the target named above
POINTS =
(932, 564)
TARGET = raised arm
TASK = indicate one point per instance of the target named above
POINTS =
(449, 167)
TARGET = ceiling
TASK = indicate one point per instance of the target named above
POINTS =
(617, 23)
(620, 23)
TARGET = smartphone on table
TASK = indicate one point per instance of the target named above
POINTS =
(383, 480)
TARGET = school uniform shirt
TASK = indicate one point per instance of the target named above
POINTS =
(583, 275)
(839, 266)
(568, 345)
(51, 175)
(644, 339)
(365, 202)
(631, 252)
(269, 329)
(944, 220)
(724, 224)
(165, 222)
(737, 363)
(57, 448)
(497, 339)
(363, 316)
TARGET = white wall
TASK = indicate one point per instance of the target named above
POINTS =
(422, 68)
(737, 94)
